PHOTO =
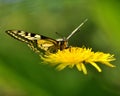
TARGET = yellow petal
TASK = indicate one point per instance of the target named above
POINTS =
(109, 64)
(83, 68)
(78, 67)
(96, 66)
(60, 67)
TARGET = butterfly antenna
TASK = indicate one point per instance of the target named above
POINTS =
(59, 34)
(74, 31)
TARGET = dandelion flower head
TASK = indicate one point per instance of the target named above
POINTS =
(78, 57)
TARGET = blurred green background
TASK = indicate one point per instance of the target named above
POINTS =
(21, 70)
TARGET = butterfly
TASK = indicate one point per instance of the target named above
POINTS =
(40, 43)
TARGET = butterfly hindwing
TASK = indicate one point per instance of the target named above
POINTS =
(37, 42)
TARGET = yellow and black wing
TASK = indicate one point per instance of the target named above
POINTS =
(38, 43)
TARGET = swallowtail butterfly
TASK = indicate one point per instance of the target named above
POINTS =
(40, 43)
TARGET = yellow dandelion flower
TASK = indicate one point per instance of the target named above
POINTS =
(79, 57)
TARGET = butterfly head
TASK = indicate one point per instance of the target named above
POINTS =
(63, 43)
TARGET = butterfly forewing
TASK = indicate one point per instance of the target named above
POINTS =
(37, 42)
